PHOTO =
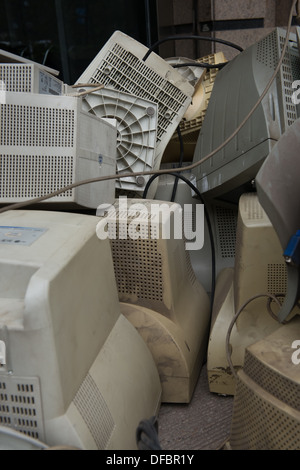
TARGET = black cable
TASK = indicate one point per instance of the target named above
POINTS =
(147, 435)
(200, 64)
(196, 190)
(148, 22)
(179, 164)
(180, 37)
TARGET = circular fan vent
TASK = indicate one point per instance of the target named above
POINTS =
(136, 121)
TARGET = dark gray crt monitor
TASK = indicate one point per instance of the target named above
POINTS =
(237, 87)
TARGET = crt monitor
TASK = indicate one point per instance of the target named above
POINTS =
(73, 370)
(237, 88)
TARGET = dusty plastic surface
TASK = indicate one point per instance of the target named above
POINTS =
(259, 269)
(266, 404)
(82, 370)
(159, 292)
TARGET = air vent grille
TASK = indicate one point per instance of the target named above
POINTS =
(226, 231)
(36, 126)
(138, 268)
(277, 385)
(30, 176)
(20, 405)
(267, 50)
(16, 78)
(92, 407)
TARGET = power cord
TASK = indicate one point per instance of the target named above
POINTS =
(147, 435)
(193, 37)
(234, 319)
(181, 155)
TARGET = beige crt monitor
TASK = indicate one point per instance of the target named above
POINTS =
(29, 78)
(266, 412)
(158, 290)
(259, 269)
(48, 143)
(73, 370)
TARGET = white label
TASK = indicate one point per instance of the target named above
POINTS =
(20, 235)
(2, 353)
(49, 85)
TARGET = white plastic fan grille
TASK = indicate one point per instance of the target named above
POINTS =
(120, 65)
(20, 405)
(136, 121)
(123, 71)
(30, 176)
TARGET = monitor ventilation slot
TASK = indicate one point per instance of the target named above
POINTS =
(20, 405)
(92, 407)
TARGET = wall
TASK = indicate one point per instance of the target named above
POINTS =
(240, 21)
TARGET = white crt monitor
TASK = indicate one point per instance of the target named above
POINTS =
(73, 370)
